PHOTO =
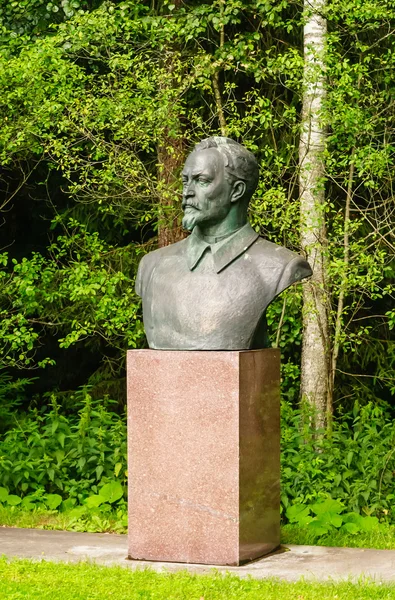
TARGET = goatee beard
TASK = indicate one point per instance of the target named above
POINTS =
(189, 222)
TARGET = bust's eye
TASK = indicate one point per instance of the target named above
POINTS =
(203, 182)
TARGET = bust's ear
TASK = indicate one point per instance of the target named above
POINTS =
(239, 188)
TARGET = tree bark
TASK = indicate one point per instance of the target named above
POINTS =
(315, 368)
(171, 156)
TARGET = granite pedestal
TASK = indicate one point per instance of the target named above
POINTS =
(204, 455)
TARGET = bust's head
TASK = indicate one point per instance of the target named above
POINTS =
(219, 178)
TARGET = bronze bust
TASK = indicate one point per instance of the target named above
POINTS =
(211, 290)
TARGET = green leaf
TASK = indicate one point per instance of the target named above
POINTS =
(28, 503)
(351, 528)
(59, 456)
(304, 519)
(352, 517)
(111, 492)
(78, 512)
(13, 500)
(53, 501)
(333, 519)
(68, 504)
(337, 479)
(369, 523)
(61, 438)
(327, 506)
(3, 494)
(94, 501)
(297, 511)
(337, 520)
(99, 471)
(318, 528)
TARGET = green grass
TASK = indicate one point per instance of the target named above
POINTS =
(42, 518)
(382, 538)
(20, 579)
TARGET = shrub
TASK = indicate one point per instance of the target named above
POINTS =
(11, 397)
(79, 461)
(354, 463)
(73, 456)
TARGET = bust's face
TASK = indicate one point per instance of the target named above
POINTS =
(206, 197)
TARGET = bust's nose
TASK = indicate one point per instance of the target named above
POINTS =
(189, 190)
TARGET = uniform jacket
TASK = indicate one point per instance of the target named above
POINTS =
(198, 296)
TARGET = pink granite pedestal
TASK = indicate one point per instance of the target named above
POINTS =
(204, 455)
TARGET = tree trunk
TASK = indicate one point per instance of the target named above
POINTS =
(171, 157)
(315, 369)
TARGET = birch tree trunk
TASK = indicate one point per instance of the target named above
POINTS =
(315, 369)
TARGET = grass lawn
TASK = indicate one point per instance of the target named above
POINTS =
(23, 579)
(382, 538)
(42, 518)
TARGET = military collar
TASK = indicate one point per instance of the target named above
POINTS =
(226, 252)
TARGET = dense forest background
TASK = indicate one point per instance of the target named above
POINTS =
(102, 101)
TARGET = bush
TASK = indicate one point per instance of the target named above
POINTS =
(354, 463)
(74, 456)
(12, 392)
(51, 459)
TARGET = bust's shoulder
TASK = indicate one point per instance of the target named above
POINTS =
(271, 255)
(151, 259)
(288, 266)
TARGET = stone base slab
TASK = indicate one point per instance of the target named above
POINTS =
(204, 455)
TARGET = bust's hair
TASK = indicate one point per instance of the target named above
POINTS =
(240, 163)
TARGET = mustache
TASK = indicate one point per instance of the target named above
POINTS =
(189, 204)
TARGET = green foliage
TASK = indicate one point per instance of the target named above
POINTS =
(349, 469)
(359, 159)
(11, 397)
(28, 19)
(95, 93)
(76, 464)
(31, 501)
(93, 516)
(381, 536)
(49, 455)
(110, 492)
(285, 331)
(85, 289)
(323, 517)
(106, 519)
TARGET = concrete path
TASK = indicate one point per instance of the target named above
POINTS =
(290, 563)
